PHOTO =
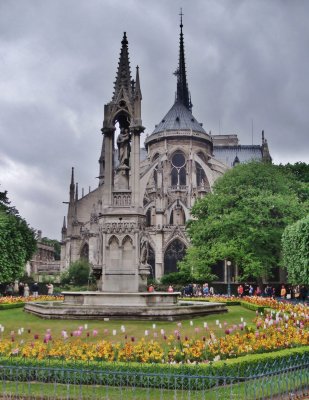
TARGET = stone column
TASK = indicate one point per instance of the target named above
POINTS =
(135, 165)
(108, 174)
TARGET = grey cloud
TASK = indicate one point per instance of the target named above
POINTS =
(245, 60)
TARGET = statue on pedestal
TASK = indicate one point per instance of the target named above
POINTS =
(124, 148)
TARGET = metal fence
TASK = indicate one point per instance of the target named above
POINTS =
(279, 380)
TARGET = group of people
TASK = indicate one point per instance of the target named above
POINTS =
(298, 292)
(23, 289)
(196, 290)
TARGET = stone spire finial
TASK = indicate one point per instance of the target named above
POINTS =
(123, 77)
(182, 95)
(137, 91)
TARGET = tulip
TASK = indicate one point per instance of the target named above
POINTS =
(114, 332)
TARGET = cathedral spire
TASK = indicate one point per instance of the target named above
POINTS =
(182, 95)
(123, 77)
(72, 186)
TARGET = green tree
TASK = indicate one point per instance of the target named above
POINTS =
(243, 220)
(295, 249)
(17, 241)
(55, 243)
(78, 274)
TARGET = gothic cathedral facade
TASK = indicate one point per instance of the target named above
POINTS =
(155, 186)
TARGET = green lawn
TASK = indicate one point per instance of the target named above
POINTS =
(15, 319)
(260, 388)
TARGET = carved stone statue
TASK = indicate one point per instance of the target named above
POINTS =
(124, 148)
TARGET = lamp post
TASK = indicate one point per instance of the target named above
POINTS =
(228, 263)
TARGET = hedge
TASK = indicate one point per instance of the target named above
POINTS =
(7, 306)
(253, 307)
(177, 376)
(227, 303)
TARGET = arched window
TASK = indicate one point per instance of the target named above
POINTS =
(178, 172)
(200, 175)
(174, 253)
(84, 254)
(148, 217)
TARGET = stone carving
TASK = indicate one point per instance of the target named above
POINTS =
(124, 148)
(121, 199)
(119, 227)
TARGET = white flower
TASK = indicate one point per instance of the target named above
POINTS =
(114, 332)
(153, 326)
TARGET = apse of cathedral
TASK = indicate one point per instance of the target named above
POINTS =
(155, 187)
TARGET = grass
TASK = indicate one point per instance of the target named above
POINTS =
(14, 319)
(260, 388)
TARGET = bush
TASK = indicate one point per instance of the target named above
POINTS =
(162, 376)
(253, 307)
(177, 278)
(79, 273)
(7, 306)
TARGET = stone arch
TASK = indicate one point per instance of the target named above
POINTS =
(84, 252)
(113, 241)
(127, 240)
(173, 205)
(127, 252)
(174, 252)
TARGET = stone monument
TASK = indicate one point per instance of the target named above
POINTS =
(122, 268)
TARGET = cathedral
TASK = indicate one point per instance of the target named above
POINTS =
(155, 186)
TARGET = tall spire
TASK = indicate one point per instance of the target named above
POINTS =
(123, 77)
(72, 186)
(182, 95)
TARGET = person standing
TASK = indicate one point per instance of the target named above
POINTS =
(283, 292)
(50, 289)
(26, 290)
(35, 289)
(21, 289)
(240, 290)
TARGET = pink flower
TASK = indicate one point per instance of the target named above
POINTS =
(94, 332)
(36, 336)
(196, 330)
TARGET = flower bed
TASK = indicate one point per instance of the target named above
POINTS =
(272, 331)
(21, 299)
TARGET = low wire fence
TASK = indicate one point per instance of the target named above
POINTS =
(277, 380)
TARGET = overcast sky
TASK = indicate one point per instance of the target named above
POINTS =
(247, 67)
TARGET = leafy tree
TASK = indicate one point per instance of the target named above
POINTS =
(17, 241)
(243, 220)
(295, 248)
(79, 273)
(55, 243)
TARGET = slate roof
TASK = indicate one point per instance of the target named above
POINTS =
(227, 154)
(178, 118)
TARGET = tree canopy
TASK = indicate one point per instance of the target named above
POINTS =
(295, 249)
(243, 220)
(17, 241)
